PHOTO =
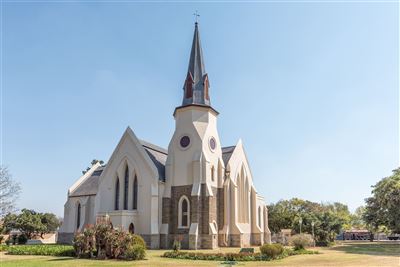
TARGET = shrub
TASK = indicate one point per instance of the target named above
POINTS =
(1, 238)
(246, 250)
(44, 250)
(176, 246)
(22, 239)
(301, 241)
(135, 252)
(78, 244)
(138, 240)
(272, 250)
(109, 243)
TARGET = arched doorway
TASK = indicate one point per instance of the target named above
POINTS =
(131, 228)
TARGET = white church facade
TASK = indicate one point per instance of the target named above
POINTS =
(197, 191)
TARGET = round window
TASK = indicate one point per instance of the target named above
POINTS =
(213, 143)
(185, 141)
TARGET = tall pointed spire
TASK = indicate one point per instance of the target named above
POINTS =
(196, 83)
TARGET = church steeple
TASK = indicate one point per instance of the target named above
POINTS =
(196, 83)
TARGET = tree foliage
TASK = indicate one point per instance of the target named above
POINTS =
(383, 207)
(9, 192)
(94, 161)
(30, 223)
(329, 219)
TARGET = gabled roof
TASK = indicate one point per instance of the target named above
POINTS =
(158, 156)
(90, 185)
(227, 153)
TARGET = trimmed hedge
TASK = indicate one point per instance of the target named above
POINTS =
(272, 250)
(43, 250)
(215, 256)
(278, 253)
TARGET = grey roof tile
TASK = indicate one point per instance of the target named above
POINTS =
(227, 153)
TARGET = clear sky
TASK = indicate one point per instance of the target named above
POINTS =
(311, 88)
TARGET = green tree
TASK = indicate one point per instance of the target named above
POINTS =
(357, 221)
(329, 219)
(382, 208)
(31, 223)
(9, 223)
(50, 223)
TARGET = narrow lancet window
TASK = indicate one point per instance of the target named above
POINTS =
(135, 193)
(116, 205)
(126, 188)
(78, 216)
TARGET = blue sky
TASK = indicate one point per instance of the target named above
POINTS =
(311, 88)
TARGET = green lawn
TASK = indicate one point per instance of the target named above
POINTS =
(347, 254)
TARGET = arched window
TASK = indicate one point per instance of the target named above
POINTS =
(212, 173)
(126, 188)
(243, 198)
(78, 216)
(116, 207)
(259, 216)
(131, 228)
(183, 212)
(135, 193)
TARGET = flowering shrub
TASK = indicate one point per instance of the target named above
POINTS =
(108, 243)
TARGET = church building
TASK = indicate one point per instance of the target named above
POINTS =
(196, 191)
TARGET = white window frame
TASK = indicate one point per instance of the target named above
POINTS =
(180, 214)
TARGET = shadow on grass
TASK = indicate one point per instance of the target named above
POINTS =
(370, 248)
(62, 259)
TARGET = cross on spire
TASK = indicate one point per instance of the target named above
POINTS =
(196, 16)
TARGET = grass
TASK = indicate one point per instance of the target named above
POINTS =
(346, 254)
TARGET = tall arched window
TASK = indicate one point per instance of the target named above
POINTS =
(116, 207)
(212, 173)
(135, 193)
(78, 216)
(183, 212)
(131, 228)
(259, 217)
(243, 198)
(126, 188)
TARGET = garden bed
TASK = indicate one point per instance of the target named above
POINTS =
(234, 256)
(43, 250)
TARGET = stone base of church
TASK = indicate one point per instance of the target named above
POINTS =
(257, 239)
(208, 241)
(240, 240)
(189, 241)
(65, 238)
(152, 241)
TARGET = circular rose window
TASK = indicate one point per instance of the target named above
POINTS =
(185, 141)
(213, 143)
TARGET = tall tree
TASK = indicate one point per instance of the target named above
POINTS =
(329, 219)
(382, 208)
(31, 223)
(9, 192)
